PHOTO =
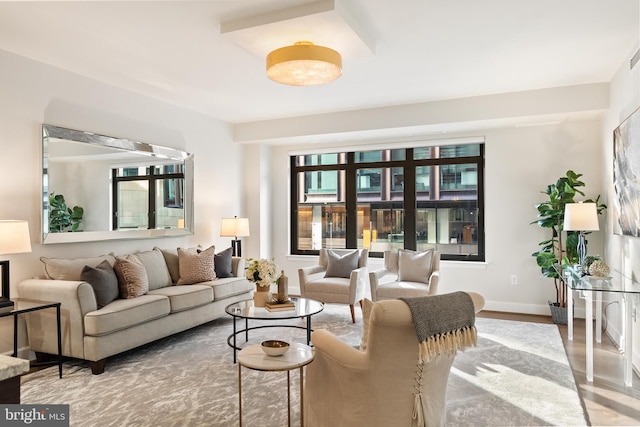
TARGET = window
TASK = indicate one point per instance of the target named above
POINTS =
(136, 189)
(414, 198)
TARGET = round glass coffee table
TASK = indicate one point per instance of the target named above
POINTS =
(304, 309)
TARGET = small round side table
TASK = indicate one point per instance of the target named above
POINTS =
(298, 356)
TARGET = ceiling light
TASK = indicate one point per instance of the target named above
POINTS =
(304, 64)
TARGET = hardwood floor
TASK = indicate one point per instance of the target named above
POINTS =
(608, 402)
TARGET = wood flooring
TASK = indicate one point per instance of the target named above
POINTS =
(608, 402)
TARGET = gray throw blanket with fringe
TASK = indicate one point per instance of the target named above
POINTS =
(444, 324)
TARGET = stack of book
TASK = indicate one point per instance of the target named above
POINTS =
(280, 306)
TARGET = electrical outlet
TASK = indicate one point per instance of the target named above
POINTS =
(514, 279)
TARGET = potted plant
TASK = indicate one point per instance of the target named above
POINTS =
(61, 217)
(561, 248)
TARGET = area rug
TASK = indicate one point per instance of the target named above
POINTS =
(517, 375)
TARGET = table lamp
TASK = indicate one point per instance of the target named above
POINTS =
(235, 227)
(14, 239)
(581, 217)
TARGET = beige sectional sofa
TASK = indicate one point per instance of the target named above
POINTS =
(94, 333)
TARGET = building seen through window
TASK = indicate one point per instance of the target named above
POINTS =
(136, 189)
(414, 198)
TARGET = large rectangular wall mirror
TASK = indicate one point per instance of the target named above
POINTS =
(96, 187)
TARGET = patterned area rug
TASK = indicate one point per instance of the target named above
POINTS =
(518, 375)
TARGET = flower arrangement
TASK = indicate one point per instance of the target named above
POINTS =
(263, 272)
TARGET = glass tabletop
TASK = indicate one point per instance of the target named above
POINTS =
(615, 282)
(24, 305)
(303, 307)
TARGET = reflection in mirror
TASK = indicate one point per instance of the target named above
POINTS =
(124, 189)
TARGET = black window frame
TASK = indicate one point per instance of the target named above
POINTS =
(409, 165)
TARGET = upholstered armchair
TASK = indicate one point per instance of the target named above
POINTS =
(383, 383)
(338, 278)
(406, 274)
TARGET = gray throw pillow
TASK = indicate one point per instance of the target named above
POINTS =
(414, 266)
(103, 280)
(341, 266)
(222, 263)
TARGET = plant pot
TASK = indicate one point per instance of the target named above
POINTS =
(558, 314)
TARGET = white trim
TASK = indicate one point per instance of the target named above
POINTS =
(404, 143)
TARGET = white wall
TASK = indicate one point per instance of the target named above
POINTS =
(622, 252)
(520, 163)
(32, 93)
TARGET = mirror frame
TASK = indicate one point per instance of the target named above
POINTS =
(51, 133)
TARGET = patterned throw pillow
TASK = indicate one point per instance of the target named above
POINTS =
(196, 267)
(341, 266)
(132, 277)
(104, 282)
(414, 266)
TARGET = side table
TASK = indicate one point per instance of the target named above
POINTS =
(298, 356)
(22, 306)
(10, 371)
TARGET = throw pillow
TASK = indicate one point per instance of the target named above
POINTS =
(196, 267)
(367, 306)
(222, 261)
(414, 266)
(156, 268)
(103, 280)
(71, 269)
(341, 266)
(132, 277)
(173, 264)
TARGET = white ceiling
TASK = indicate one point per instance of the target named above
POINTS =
(416, 50)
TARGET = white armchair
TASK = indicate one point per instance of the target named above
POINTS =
(377, 386)
(406, 274)
(338, 278)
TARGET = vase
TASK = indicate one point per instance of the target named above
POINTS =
(261, 296)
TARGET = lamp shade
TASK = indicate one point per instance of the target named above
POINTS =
(304, 64)
(14, 237)
(581, 217)
(234, 227)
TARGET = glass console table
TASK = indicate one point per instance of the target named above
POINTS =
(587, 286)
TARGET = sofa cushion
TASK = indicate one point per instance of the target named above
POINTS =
(222, 262)
(71, 269)
(225, 288)
(171, 258)
(125, 313)
(395, 290)
(156, 267)
(132, 277)
(196, 266)
(341, 266)
(186, 297)
(414, 266)
(104, 282)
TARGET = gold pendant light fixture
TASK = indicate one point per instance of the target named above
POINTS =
(304, 64)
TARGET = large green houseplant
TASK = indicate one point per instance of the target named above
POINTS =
(61, 217)
(561, 248)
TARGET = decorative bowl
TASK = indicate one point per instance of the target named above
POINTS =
(275, 347)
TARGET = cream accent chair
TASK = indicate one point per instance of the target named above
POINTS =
(387, 283)
(376, 386)
(339, 290)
